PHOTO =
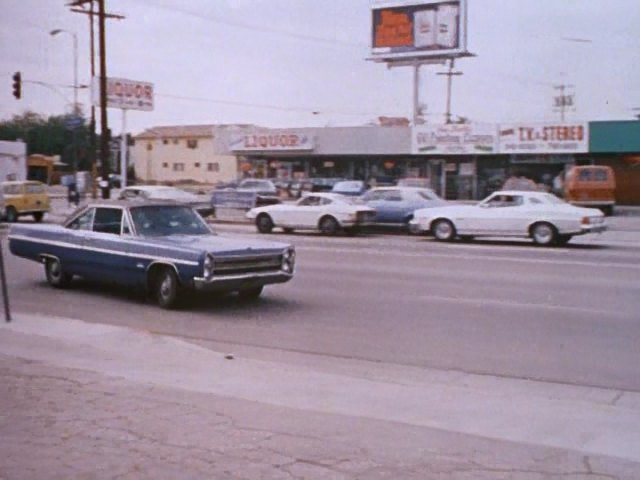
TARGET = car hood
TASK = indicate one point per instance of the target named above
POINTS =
(218, 245)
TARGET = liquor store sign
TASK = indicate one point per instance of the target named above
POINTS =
(283, 140)
(124, 94)
(567, 137)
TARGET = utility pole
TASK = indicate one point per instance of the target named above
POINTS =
(563, 101)
(449, 75)
(79, 6)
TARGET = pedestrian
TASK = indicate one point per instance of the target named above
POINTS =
(72, 194)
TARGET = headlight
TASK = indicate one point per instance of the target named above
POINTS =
(208, 266)
(289, 260)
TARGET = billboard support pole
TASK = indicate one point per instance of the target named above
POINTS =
(123, 150)
(416, 93)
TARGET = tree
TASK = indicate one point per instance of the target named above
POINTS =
(55, 135)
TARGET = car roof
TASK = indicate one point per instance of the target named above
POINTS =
(401, 188)
(528, 193)
(21, 182)
(151, 187)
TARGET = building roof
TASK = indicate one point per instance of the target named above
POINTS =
(190, 131)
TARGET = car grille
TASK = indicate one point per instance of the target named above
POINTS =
(247, 264)
(365, 217)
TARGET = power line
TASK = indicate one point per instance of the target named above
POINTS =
(253, 27)
(310, 110)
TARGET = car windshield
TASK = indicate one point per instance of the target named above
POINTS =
(354, 186)
(162, 220)
(171, 193)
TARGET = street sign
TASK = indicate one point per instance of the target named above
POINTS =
(72, 122)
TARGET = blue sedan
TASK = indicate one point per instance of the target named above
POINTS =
(395, 205)
(163, 247)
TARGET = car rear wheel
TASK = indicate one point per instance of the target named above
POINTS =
(11, 214)
(37, 216)
(329, 226)
(165, 288)
(56, 276)
(544, 234)
(264, 224)
(251, 293)
(444, 230)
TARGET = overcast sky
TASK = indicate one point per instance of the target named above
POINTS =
(299, 63)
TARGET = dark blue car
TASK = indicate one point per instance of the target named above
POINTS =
(395, 205)
(162, 247)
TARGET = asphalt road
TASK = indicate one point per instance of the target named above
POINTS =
(507, 309)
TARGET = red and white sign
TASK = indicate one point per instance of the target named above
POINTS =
(567, 137)
(282, 140)
(124, 94)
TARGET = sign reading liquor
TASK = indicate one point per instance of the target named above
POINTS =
(124, 94)
(567, 137)
(419, 29)
(452, 139)
(276, 140)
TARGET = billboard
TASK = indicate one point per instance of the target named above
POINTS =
(454, 139)
(418, 29)
(124, 94)
(560, 137)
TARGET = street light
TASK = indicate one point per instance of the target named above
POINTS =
(55, 32)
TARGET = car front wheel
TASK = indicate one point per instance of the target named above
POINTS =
(166, 288)
(544, 234)
(444, 230)
(264, 224)
(11, 215)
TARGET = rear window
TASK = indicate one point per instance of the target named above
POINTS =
(35, 188)
(593, 175)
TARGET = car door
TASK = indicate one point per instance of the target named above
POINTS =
(107, 257)
(501, 214)
(306, 212)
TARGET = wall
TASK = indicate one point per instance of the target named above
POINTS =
(170, 160)
(13, 161)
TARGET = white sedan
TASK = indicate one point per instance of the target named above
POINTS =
(327, 212)
(540, 216)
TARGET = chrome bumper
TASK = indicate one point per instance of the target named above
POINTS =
(240, 281)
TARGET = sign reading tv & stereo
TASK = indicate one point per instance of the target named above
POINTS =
(567, 137)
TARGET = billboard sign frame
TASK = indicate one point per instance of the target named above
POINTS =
(418, 30)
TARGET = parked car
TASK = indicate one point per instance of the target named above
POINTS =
(266, 191)
(25, 198)
(591, 186)
(160, 246)
(394, 206)
(161, 192)
(327, 212)
(350, 187)
(541, 216)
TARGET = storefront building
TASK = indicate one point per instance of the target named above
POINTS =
(459, 161)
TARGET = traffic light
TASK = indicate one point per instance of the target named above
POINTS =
(17, 85)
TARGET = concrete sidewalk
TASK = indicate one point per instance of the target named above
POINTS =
(84, 400)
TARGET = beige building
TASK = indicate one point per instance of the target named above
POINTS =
(174, 154)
